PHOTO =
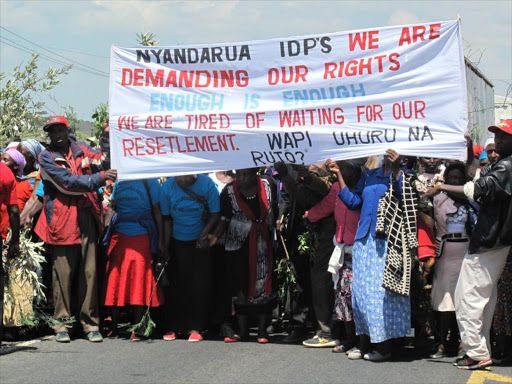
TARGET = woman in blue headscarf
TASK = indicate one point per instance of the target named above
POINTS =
(30, 148)
(483, 159)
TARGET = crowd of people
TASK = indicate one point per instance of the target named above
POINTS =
(348, 255)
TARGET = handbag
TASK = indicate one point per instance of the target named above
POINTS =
(395, 221)
(157, 259)
(201, 200)
(386, 210)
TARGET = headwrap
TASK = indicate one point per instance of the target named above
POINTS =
(18, 158)
(35, 148)
(489, 140)
(483, 156)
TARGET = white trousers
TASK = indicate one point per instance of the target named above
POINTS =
(475, 300)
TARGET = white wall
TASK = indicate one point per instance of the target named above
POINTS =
(503, 108)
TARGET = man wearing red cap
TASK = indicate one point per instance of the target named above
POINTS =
(72, 172)
(475, 295)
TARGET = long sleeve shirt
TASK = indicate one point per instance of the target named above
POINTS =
(346, 219)
(370, 188)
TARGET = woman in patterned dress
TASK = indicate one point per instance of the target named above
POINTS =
(380, 315)
(340, 264)
(247, 216)
(453, 218)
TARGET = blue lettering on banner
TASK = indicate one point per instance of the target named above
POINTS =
(185, 102)
(319, 95)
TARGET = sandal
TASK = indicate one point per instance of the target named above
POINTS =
(263, 337)
(232, 339)
(340, 349)
(229, 335)
(350, 350)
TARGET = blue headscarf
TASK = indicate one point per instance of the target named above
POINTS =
(35, 148)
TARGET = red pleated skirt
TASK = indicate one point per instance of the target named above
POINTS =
(130, 278)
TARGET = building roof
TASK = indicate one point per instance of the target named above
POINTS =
(477, 71)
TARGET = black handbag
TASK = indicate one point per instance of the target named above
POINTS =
(157, 260)
(200, 199)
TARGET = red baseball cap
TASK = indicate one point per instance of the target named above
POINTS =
(53, 120)
(505, 126)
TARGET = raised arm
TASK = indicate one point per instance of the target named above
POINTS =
(68, 183)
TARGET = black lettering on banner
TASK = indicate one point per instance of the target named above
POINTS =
(195, 55)
(305, 46)
(414, 133)
(261, 158)
(368, 137)
(288, 139)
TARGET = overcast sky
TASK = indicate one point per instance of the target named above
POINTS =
(83, 31)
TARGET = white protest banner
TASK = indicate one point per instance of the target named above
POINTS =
(192, 109)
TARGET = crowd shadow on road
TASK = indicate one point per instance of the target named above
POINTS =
(8, 349)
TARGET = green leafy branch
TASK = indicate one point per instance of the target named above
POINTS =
(308, 241)
(286, 273)
(146, 325)
(24, 269)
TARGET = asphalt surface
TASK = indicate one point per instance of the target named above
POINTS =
(213, 361)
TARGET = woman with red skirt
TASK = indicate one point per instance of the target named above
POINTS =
(130, 240)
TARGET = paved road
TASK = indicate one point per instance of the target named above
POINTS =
(212, 361)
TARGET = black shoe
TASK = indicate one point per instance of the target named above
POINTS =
(296, 335)
(10, 334)
(275, 327)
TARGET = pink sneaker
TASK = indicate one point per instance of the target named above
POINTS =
(195, 337)
(169, 336)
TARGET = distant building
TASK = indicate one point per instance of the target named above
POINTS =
(502, 108)
(480, 103)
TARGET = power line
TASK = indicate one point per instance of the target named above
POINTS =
(56, 54)
(80, 52)
(23, 48)
(29, 52)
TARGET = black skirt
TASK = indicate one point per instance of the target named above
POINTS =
(189, 270)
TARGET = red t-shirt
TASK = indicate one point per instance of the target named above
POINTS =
(8, 194)
(24, 191)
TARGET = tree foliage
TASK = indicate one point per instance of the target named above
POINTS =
(72, 118)
(99, 117)
(19, 111)
(147, 39)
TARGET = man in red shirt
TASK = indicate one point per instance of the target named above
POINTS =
(8, 197)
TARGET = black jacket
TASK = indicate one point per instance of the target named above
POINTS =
(302, 191)
(494, 191)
